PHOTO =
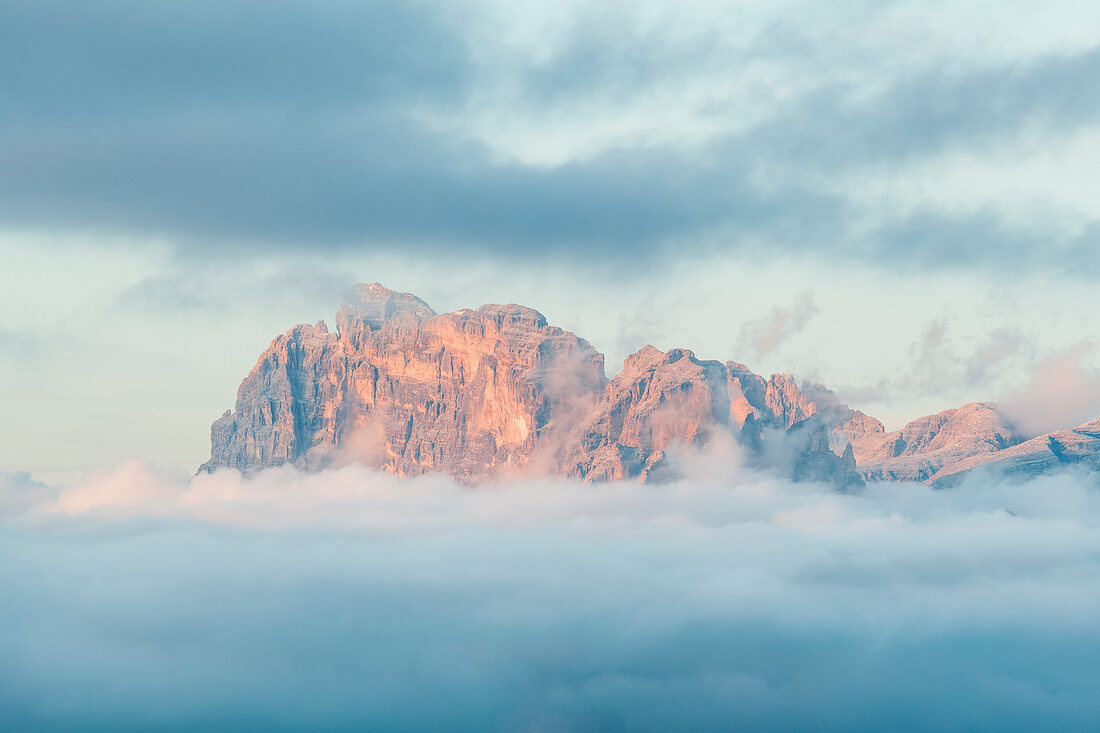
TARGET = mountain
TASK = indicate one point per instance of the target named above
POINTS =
(468, 393)
(1067, 447)
(497, 391)
(928, 444)
(942, 449)
(664, 398)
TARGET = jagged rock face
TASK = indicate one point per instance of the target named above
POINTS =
(370, 306)
(924, 446)
(846, 426)
(468, 393)
(487, 392)
(815, 459)
(663, 400)
(284, 407)
(1076, 446)
(658, 400)
(497, 390)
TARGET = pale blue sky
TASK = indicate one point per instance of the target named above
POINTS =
(904, 192)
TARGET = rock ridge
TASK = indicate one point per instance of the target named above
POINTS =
(497, 391)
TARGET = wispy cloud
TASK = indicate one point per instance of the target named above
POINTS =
(762, 337)
(940, 365)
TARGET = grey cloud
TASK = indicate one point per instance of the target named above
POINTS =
(216, 292)
(762, 337)
(1002, 345)
(937, 359)
(938, 240)
(17, 343)
(121, 57)
(942, 109)
(23, 346)
(20, 492)
(249, 127)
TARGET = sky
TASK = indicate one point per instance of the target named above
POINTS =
(896, 199)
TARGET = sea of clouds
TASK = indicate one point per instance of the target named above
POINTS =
(727, 599)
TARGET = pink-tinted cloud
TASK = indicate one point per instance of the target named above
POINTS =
(1064, 392)
(764, 336)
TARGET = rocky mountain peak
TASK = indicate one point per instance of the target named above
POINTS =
(492, 391)
(372, 304)
(925, 445)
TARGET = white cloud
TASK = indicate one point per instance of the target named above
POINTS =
(1063, 393)
(351, 598)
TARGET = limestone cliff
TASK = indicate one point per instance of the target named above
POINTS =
(927, 444)
(398, 386)
(1062, 448)
(661, 401)
(495, 391)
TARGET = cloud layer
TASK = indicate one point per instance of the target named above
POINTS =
(559, 130)
(350, 598)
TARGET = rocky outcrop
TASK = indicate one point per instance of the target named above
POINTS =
(662, 401)
(1062, 448)
(398, 386)
(941, 449)
(846, 426)
(658, 400)
(924, 446)
(497, 390)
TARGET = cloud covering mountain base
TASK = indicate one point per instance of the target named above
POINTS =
(730, 598)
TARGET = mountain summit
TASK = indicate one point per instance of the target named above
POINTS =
(497, 391)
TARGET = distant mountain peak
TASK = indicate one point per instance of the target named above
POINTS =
(372, 304)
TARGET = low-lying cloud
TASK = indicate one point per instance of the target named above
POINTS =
(351, 599)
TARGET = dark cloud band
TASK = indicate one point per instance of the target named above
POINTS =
(253, 126)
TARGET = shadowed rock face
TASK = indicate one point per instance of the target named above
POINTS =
(661, 400)
(495, 391)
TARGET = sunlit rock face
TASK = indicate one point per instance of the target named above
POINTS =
(1062, 448)
(467, 393)
(926, 445)
(658, 400)
(662, 400)
(497, 391)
